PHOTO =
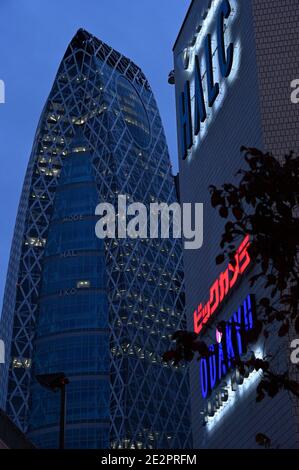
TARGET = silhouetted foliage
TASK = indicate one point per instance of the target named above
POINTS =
(263, 206)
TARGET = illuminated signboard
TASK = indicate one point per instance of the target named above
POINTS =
(210, 67)
(233, 345)
(222, 286)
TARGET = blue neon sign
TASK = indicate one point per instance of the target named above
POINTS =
(232, 346)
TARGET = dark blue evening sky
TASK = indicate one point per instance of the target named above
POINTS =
(34, 35)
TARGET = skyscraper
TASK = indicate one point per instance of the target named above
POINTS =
(99, 311)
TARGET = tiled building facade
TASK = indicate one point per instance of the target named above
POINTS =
(254, 109)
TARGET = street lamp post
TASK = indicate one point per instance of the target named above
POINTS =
(56, 382)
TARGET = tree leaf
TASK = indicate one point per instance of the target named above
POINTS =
(284, 329)
(223, 212)
(220, 259)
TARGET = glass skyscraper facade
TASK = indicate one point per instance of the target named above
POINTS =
(101, 311)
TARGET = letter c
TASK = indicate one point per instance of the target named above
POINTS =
(225, 57)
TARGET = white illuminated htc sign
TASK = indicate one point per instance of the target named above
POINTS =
(211, 64)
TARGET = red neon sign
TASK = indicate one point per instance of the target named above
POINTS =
(222, 286)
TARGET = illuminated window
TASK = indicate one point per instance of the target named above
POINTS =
(80, 149)
(21, 363)
(83, 284)
(33, 241)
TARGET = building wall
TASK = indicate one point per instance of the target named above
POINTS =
(278, 66)
(276, 32)
(256, 112)
(10, 435)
